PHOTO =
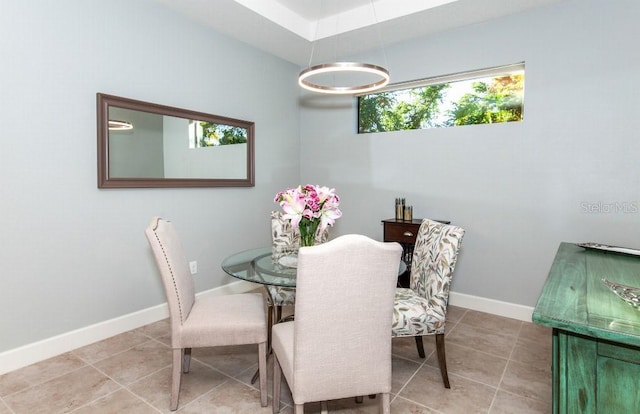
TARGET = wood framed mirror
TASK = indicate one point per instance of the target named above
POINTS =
(142, 145)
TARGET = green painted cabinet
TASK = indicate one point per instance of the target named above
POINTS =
(596, 335)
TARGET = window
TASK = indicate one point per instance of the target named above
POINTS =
(483, 96)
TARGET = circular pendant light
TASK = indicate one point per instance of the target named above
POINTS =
(115, 125)
(310, 78)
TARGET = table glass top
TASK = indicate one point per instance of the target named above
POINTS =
(256, 266)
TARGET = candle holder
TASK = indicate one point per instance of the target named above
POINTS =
(408, 213)
(399, 208)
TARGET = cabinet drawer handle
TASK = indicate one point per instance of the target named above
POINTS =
(408, 234)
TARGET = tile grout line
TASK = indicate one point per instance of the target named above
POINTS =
(205, 394)
(89, 362)
(418, 404)
(123, 386)
(111, 393)
(422, 364)
(504, 371)
(4, 404)
(120, 384)
(36, 384)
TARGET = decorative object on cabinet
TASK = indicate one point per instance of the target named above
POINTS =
(403, 212)
(611, 249)
(629, 294)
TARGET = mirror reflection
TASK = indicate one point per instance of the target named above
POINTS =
(148, 145)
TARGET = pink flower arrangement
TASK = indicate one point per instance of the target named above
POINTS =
(308, 208)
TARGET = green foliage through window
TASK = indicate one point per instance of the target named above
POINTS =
(208, 134)
(465, 101)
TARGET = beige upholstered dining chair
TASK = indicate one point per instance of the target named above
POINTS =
(203, 322)
(339, 345)
(285, 241)
(421, 309)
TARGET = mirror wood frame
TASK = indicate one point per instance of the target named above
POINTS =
(104, 102)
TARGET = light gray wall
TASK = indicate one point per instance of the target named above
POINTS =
(519, 189)
(73, 255)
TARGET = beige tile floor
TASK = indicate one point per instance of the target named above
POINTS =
(496, 365)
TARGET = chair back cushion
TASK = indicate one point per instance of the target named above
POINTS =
(343, 314)
(286, 239)
(174, 269)
(434, 258)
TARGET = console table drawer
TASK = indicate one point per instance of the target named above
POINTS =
(403, 233)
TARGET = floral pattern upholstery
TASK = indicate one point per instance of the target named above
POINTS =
(286, 242)
(422, 309)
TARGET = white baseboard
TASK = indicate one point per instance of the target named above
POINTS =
(38, 351)
(495, 307)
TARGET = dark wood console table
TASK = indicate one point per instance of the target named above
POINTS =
(405, 233)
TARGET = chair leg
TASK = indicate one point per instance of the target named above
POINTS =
(186, 360)
(270, 313)
(262, 366)
(385, 403)
(298, 409)
(277, 378)
(419, 346)
(175, 378)
(278, 317)
(324, 407)
(442, 360)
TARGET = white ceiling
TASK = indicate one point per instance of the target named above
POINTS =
(290, 29)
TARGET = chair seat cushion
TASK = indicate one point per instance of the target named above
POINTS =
(282, 296)
(224, 320)
(413, 316)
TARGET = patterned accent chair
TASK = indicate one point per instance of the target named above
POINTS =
(339, 346)
(285, 242)
(421, 309)
(203, 322)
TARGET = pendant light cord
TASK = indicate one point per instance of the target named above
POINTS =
(315, 36)
(376, 23)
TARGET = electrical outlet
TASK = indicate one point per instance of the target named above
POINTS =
(193, 266)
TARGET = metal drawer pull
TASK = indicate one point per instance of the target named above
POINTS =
(408, 234)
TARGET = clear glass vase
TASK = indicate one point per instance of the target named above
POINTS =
(308, 230)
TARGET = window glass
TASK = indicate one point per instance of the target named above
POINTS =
(484, 96)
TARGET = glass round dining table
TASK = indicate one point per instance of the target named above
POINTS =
(256, 266)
